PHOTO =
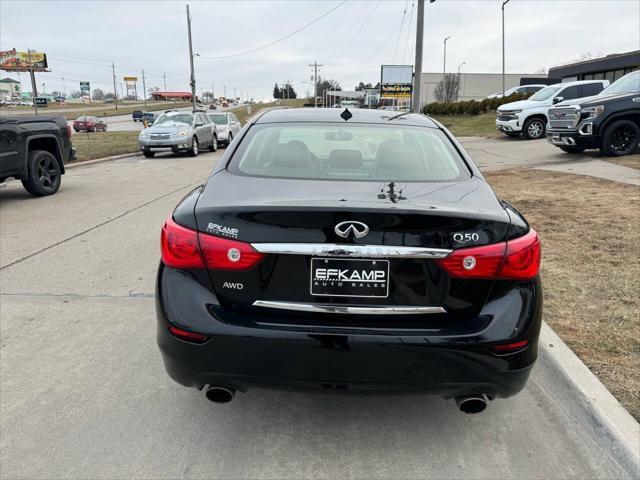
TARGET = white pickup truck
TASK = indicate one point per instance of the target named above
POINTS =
(529, 117)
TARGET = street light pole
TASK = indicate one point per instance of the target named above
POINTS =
(444, 63)
(504, 2)
(417, 73)
(193, 75)
(459, 66)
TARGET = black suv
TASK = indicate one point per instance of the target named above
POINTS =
(609, 121)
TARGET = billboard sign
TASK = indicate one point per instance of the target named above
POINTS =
(396, 82)
(40, 101)
(14, 61)
(130, 79)
(85, 88)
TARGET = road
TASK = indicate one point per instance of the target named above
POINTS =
(84, 393)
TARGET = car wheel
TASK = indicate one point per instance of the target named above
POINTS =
(104, 129)
(148, 153)
(572, 149)
(214, 144)
(533, 129)
(230, 138)
(193, 152)
(43, 173)
(77, 131)
(620, 138)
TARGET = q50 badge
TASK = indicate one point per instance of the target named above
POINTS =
(465, 237)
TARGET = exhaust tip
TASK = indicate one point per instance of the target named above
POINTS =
(471, 404)
(218, 394)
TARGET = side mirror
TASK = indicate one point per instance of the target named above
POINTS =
(199, 124)
(558, 100)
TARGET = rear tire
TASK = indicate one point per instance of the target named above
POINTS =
(148, 154)
(43, 173)
(620, 138)
(572, 149)
(534, 128)
(195, 147)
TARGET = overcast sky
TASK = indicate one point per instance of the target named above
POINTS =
(351, 42)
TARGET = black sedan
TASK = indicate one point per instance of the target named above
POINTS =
(349, 251)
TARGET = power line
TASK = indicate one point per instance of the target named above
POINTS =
(406, 46)
(376, 49)
(253, 50)
(334, 30)
(395, 50)
(356, 32)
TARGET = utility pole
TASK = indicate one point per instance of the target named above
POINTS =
(213, 95)
(64, 87)
(417, 73)
(193, 75)
(504, 2)
(164, 79)
(315, 82)
(115, 91)
(144, 89)
(34, 90)
(235, 95)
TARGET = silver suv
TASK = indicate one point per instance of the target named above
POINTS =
(179, 131)
(227, 125)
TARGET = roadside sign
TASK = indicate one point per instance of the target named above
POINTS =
(40, 101)
(85, 88)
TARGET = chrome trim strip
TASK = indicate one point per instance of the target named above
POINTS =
(330, 308)
(343, 250)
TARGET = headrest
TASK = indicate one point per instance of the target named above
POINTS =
(344, 159)
(291, 154)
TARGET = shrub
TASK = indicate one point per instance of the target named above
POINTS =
(470, 107)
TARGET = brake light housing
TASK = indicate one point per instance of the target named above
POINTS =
(182, 247)
(517, 259)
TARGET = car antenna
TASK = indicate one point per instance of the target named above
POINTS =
(346, 115)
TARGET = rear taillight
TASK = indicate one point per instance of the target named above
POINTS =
(509, 348)
(179, 246)
(224, 254)
(182, 247)
(517, 259)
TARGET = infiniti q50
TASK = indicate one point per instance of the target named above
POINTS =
(348, 251)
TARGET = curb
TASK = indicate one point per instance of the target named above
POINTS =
(101, 160)
(610, 421)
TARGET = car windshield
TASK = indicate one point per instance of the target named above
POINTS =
(174, 118)
(544, 94)
(218, 118)
(348, 152)
(628, 84)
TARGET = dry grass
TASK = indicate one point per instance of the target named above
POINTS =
(590, 230)
(483, 125)
(632, 161)
(104, 144)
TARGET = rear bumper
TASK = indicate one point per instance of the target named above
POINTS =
(319, 358)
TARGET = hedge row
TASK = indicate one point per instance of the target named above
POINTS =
(471, 107)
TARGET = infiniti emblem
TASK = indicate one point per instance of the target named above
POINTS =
(357, 229)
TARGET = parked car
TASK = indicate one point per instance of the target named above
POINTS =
(150, 117)
(213, 107)
(34, 151)
(529, 117)
(227, 125)
(60, 99)
(519, 89)
(313, 258)
(137, 115)
(178, 131)
(90, 124)
(609, 121)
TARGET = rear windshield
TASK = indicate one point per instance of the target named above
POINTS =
(364, 152)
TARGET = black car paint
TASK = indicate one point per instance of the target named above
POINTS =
(20, 134)
(616, 107)
(445, 354)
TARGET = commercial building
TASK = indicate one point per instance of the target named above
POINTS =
(611, 68)
(171, 95)
(476, 86)
(10, 89)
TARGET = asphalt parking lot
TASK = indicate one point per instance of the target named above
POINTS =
(84, 393)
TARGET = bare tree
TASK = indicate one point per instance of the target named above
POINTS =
(448, 88)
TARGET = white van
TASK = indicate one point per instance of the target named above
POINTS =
(529, 117)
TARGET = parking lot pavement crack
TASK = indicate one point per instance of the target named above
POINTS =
(94, 227)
